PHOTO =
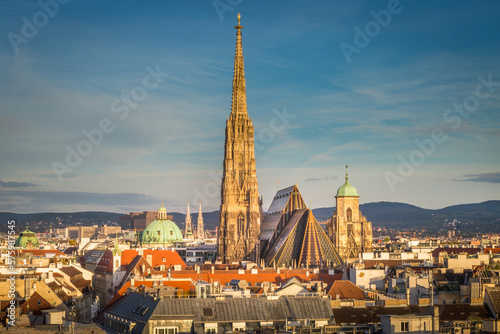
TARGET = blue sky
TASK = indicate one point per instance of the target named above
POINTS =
(411, 102)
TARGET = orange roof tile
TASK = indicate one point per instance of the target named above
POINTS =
(346, 290)
(159, 257)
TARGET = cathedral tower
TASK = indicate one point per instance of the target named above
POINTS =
(239, 220)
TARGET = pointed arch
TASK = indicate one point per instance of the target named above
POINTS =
(241, 223)
(348, 215)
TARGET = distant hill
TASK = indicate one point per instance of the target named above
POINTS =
(478, 217)
(483, 217)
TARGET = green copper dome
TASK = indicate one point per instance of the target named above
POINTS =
(347, 190)
(27, 239)
(161, 231)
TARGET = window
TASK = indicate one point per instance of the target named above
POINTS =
(404, 326)
(239, 326)
(210, 327)
(425, 326)
(349, 215)
(166, 330)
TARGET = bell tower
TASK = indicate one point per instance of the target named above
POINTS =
(239, 220)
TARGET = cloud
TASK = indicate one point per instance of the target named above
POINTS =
(12, 184)
(482, 177)
(333, 152)
(44, 200)
(326, 178)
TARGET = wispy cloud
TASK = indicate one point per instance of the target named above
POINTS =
(326, 178)
(482, 177)
(331, 153)
(12, 184)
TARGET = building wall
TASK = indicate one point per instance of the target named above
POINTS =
(102, 282)
(106, 230)
(463, 262)
(368, 278)
(412, 324)
(184, 326)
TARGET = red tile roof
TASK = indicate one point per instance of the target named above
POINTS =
(382, 263)
(159, 257)
(495, 250)
(452, 250)
(346, 290)
(225, 276)
(185, 286)
(105, 263)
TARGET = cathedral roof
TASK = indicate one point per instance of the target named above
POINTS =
(290, 235)
(347, 190)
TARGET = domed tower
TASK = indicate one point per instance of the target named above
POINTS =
(27, 240)
(349, 230)
(161, 232)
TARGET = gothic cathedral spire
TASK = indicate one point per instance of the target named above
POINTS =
(188, 230)
(239, 102)
(239, 220)
(199, 225)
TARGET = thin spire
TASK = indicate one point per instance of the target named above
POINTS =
(239, 103)
(346, 174)
(188, 229)
(201, 230)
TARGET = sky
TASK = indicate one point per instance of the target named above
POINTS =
(121, 105)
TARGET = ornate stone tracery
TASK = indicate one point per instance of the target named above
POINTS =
(240, 212)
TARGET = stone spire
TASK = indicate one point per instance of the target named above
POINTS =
(188, 231)
(201, 230)
(239, 220)
(239, 101)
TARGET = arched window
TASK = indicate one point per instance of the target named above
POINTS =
(349, 215)
(241, 223)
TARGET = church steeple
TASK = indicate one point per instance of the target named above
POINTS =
(201, 230)
(188, 230)
(239, 219)
(239, 102)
